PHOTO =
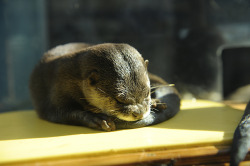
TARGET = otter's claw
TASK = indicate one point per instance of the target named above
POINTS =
(156, 103)
(104, 123)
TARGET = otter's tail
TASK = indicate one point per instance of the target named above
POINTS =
(170, 96)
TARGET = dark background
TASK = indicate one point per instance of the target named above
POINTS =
(183, 39)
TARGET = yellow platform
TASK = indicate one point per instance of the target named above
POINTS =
(24, 137)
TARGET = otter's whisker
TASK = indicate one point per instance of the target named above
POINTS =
(151, 92)
(91, 98)
(160, 103)
(158, 86)
(101, 90)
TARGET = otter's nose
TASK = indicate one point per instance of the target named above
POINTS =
(137, 115)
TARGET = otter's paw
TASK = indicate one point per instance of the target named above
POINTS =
(157, 104)
(103, 123)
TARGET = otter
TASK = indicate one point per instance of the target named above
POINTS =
(105, 86)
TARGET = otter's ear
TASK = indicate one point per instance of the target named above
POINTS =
(93, 77)
(146, 63)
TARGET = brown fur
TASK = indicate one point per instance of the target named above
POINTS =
(100, 86)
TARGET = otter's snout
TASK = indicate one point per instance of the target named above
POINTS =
(137, 115)
(134, 112)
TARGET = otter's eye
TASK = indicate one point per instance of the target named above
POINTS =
(118, 101)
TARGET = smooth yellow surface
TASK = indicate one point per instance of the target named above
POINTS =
(25, 137)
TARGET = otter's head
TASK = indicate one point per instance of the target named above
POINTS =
(117, 83)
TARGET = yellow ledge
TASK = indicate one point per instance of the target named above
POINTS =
(25, 137)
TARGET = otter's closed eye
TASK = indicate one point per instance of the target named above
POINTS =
(118, 101)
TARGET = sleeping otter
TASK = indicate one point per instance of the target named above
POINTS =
(105, 86)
